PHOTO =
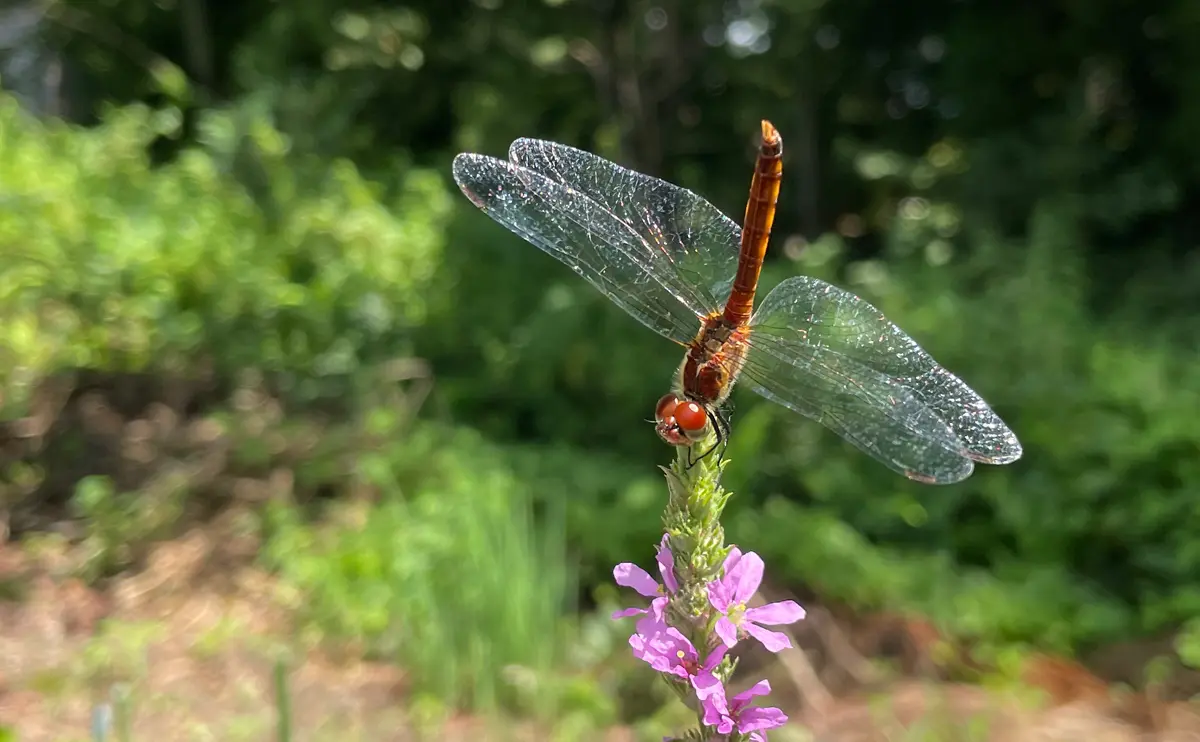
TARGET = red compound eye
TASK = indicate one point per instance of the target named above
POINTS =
(665, 407)
(690, 416)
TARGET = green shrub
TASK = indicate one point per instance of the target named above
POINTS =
(236, 254)
(446, 573)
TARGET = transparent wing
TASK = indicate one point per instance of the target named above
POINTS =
(581, 233)
(689, 243)
(831, 356)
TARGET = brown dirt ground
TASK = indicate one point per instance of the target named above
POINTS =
(193, 635)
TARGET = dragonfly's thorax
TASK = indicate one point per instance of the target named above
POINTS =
(713, 362)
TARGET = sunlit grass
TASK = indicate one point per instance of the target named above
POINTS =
(453, 580)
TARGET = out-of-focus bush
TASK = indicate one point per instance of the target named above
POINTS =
(236, 254)
(444, 570)
(289, 288)
(125, 277)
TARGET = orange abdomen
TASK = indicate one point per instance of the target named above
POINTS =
(756, 227)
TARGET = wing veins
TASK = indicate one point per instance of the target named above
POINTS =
(807, 312)
(846, 380)
(473, 173)
(601, 180)
(859, 413)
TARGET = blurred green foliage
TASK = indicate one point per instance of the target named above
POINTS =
(271, 194)
(114, 263)
(446, 573)
(117, 523)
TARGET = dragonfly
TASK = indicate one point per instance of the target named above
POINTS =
(668, 257)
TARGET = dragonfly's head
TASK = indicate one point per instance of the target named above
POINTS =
(680, 422)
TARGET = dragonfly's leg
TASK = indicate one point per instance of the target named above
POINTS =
(721, 428)
(721, 424)
(693, 459)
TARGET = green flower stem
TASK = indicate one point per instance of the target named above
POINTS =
(692, 521)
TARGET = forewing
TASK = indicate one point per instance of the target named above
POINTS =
(687, 242)
(830, 355)
(581, 233)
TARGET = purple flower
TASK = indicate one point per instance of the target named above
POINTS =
(739, 715)
(670, 652)
(628, 574)
(729, 595)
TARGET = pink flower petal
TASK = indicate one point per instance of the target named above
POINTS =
(731, 559)
(704, 681)
(745, 577)
(758, 719)
(776, 614)
(706, 684)
(638, 644)
(627, 612)
(725, 717)
(761, 688)
(726, 631)
(716, 713)
(650, 626)
(631, 575)
(677, 651)
(715, 657)
(653, 622)
(651, 651)
(774, 641)
(719, 596)
(666, 565)
(676, 642)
